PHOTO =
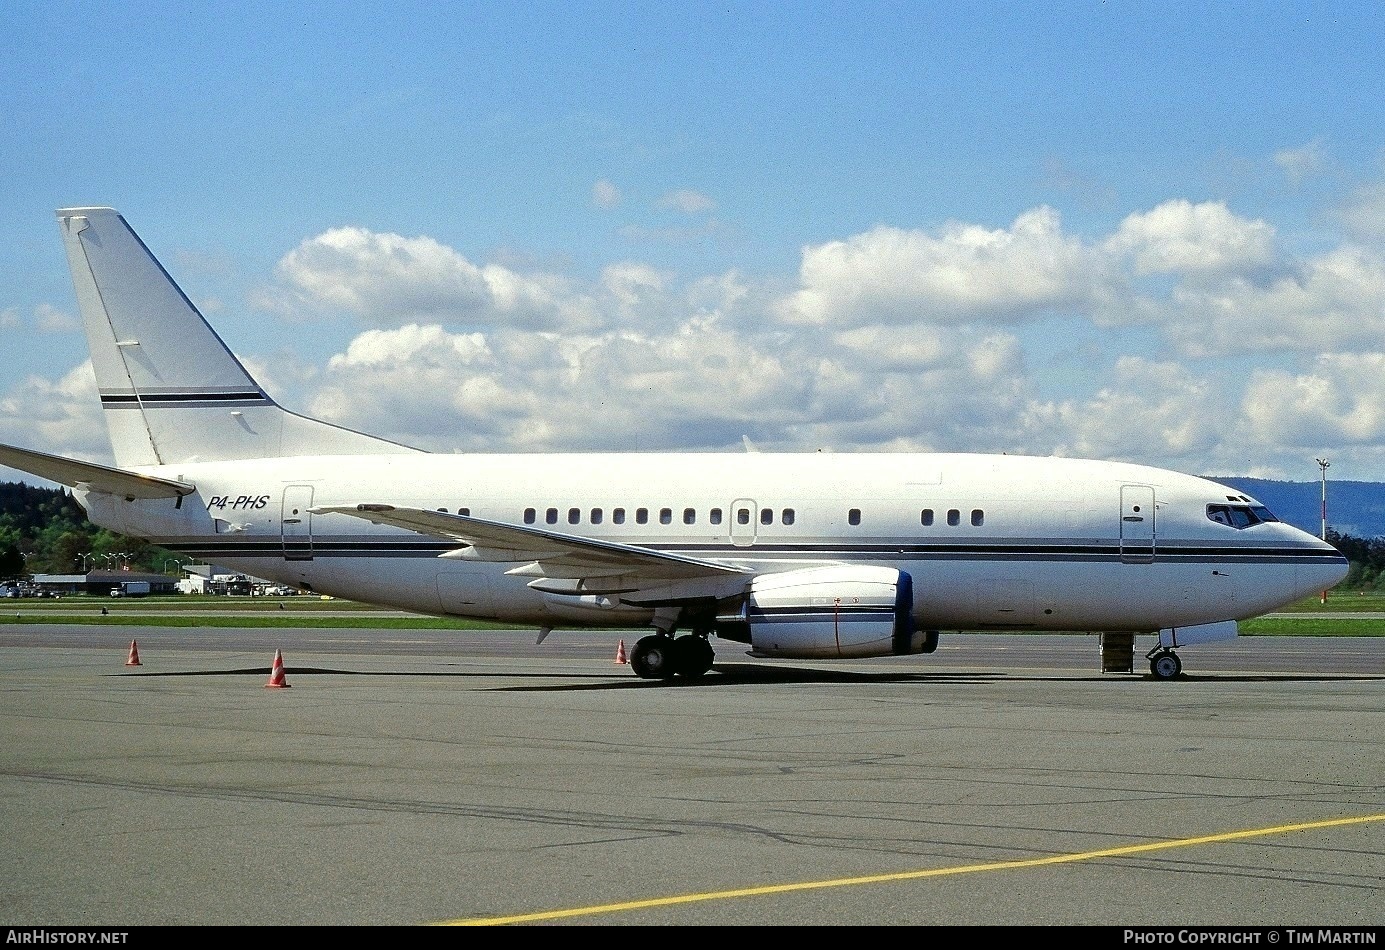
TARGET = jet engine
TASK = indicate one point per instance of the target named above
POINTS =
(827, 612)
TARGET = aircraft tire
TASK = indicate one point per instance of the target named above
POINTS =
(1165, 665)
(695, 656)
(654, 658)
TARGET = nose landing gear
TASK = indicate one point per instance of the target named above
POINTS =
(1164, 664)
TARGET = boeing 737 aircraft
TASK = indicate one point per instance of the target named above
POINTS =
(814, 555)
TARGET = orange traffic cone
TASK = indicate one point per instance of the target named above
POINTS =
(134, 656)
(276, 675)
(620, 652)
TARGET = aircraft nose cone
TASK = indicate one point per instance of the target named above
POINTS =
(1326, 573)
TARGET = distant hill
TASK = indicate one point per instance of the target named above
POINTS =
(1353, 508)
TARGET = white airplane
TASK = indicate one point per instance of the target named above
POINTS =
(816, 556)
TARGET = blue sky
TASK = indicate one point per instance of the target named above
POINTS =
(1152, 232)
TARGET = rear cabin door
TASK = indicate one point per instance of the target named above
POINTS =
(296, 522)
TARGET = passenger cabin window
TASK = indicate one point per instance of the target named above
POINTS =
(786, 516)
(551, 516)
(641, 516)
(618, 516)
(530, 515)
(596, 516)
(926, 517)
(689, 516)
(1240, 516)
(853, 516)
(715, 516)
(665, 516)
(464, 511)
(978, 517)
(574, 515)
(742, 516)
(954, 517)
(766, 516)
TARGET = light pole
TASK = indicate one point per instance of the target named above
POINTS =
(1323, 464)
(84, 558)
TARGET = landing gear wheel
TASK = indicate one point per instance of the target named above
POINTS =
(695, 656)
(654, 658)
(1165, 665)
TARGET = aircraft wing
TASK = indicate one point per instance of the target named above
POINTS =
(89, 476)
(560, 563)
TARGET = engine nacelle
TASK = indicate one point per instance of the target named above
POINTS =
(828, 612)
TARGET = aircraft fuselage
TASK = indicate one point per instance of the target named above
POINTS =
(991, 542)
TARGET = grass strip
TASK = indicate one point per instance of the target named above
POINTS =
(300, 621)
(1312, 627)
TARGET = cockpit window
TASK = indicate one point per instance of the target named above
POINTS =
(1239, 516)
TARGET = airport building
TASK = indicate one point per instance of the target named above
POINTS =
(103, 583)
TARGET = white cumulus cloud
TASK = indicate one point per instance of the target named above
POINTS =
(1340, 401)
(1328, 302)
(387, 278)
(411, 344)
(966, 272)
(1185, 238)
(1147, 409)
(61, 416)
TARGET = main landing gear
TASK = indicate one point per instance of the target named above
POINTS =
(661, 656)
(1164, 664)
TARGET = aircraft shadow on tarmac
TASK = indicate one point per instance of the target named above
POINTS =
(733, 674)
(720, 675)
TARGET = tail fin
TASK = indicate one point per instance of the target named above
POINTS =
(171, 390)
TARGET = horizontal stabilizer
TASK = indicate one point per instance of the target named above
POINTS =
(88, 476)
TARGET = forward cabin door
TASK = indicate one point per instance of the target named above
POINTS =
(1137, 529)
(296, 523)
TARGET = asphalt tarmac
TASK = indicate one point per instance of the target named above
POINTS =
(421, 777)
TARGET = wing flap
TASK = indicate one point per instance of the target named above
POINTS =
(555, 571)
(476, 552)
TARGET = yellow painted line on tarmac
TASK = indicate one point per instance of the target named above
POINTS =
(904, 875)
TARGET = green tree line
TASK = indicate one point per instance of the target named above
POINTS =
(45, 531)
(1366, 557)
